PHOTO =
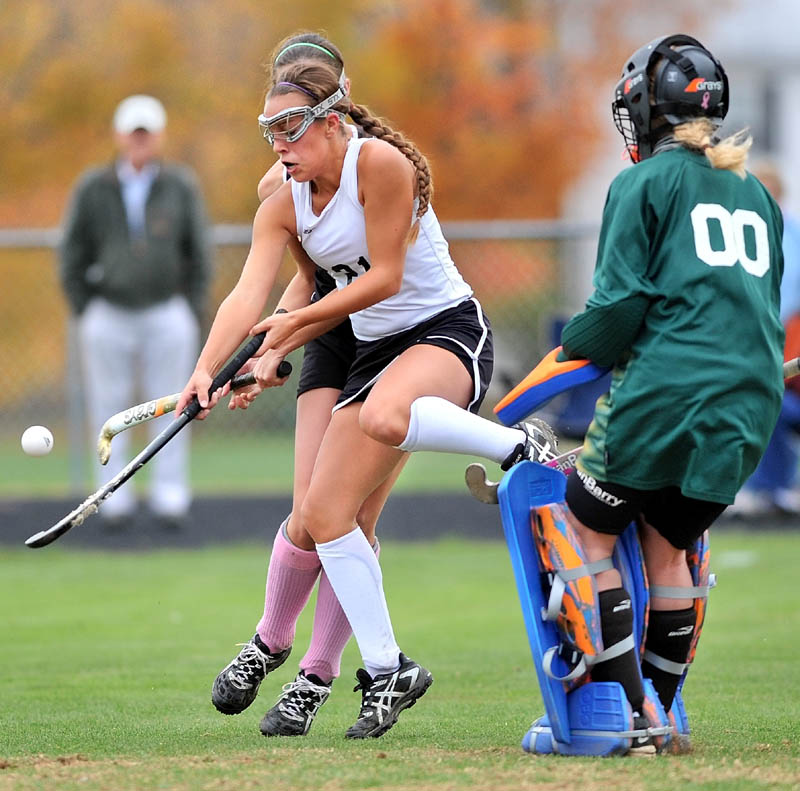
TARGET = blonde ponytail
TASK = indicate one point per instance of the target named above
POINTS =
(728, 154)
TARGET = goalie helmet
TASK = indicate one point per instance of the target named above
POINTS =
(672, 80)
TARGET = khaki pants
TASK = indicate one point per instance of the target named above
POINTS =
(129, 356)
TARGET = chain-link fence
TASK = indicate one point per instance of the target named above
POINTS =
(527, 276)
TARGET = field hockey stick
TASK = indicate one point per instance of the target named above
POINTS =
(91, 504)
(481, 488)
(149, 410)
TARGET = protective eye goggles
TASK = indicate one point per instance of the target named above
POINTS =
(293, 122)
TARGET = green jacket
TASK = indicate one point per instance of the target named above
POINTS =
(98, 257)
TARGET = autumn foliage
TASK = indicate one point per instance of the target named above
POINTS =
(504, 107)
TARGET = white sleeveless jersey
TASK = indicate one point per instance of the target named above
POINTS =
(336, 241)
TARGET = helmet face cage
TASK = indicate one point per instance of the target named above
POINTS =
(624, 124)
(689, 83)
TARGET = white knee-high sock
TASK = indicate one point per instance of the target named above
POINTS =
(355, 575)
(438, 424)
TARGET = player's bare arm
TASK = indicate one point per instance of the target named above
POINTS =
(271, 233)
(264, 365)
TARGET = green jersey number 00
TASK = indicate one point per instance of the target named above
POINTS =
(733, 237)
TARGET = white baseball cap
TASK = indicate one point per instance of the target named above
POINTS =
(140, 112)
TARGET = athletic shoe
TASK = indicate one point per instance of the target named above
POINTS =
(173, 523)
(540, 444)
(297, 706)
(787, 501)
(236, 687)
(642, 746)
(386, 695)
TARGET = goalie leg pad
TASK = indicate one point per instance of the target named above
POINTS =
(660, 726)
(525, 486)
(572, 601)
(559, 601)
(698, 558)
(555, 584)
(629, 561)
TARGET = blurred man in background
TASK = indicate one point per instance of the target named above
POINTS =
(135, 266)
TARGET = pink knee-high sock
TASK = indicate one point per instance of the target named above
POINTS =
(290, 580)
(330, 633)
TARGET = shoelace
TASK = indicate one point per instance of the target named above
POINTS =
(545, 451)
(380, 700)
(246, 666)
(364, 680)
(298, 694)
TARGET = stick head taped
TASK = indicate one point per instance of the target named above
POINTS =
(104, 447)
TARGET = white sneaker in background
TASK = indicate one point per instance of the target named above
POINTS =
(788, 501)
(749, 504)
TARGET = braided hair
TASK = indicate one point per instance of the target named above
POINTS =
(316, 73)
(377, 127)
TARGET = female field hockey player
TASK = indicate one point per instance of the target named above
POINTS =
(360, 207)
(294, 566)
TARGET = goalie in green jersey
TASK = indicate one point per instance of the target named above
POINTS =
(685, 310)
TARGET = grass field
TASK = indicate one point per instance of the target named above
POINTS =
(107, 662)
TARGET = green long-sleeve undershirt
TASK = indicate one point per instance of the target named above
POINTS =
(603, 334)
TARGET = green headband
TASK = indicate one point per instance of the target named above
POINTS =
(305, 44)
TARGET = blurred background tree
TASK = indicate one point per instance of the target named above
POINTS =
(492, 91)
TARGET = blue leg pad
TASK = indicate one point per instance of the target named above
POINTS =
(527, 485)
(679, 711)
(656, 715)
(679, 741)
(629, 561)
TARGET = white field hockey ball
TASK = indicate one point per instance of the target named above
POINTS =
(37, 441)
